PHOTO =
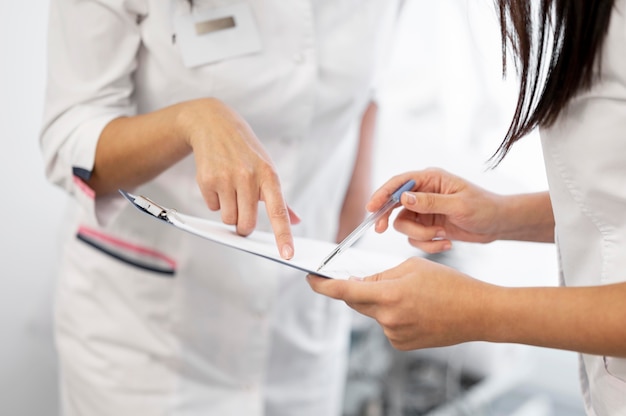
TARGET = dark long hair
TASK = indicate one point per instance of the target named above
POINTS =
(556, 47)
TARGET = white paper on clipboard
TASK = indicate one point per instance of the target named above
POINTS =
(308, 252)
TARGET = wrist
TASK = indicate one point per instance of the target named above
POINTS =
(504, 217)
(190, 116)
(525, 217)
(494, 315)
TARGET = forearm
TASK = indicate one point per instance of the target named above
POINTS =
(583, 319)
(359, 190)
(526, 217)
(134, 150)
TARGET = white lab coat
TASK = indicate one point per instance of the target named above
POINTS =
(151, 320)
(585, 156)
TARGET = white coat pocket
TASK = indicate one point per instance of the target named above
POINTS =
(125, 252)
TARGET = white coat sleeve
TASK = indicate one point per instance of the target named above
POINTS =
(92, 54)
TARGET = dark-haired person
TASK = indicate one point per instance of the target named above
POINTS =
(217, 105)
(581, 113)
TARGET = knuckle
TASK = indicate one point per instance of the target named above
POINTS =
(210, 180)
(244, 173)
(268, 172)
(375, 277)
(387, 320)
(428, 200)
(279, 211)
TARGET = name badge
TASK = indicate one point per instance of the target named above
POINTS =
(208, 35)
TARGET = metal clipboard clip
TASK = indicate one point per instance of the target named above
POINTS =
(147, 205)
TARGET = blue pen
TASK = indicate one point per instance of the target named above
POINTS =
(368, 222)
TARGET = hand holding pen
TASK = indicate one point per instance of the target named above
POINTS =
(443, 207)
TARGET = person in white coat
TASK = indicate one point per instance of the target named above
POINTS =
(212, 107)
(581, 114)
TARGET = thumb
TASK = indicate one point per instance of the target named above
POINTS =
(390, 274)
(373, 278)
(396, 272)
(428, 203)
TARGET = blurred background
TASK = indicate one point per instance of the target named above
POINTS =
(443, 103)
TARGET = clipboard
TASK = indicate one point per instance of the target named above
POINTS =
(308, 252)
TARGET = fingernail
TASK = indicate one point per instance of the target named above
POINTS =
(447, 246)
(440, 234)
(287, 252)
(410, 198)
(356, 278)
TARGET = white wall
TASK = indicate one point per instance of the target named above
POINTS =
(30, 214)
(445, 106)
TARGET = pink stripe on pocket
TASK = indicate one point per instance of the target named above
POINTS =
(84, 187)
(129, 247)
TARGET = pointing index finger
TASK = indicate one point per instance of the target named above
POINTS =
(278, 215)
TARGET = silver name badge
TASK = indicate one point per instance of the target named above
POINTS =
(214, 25)
(206, 35)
